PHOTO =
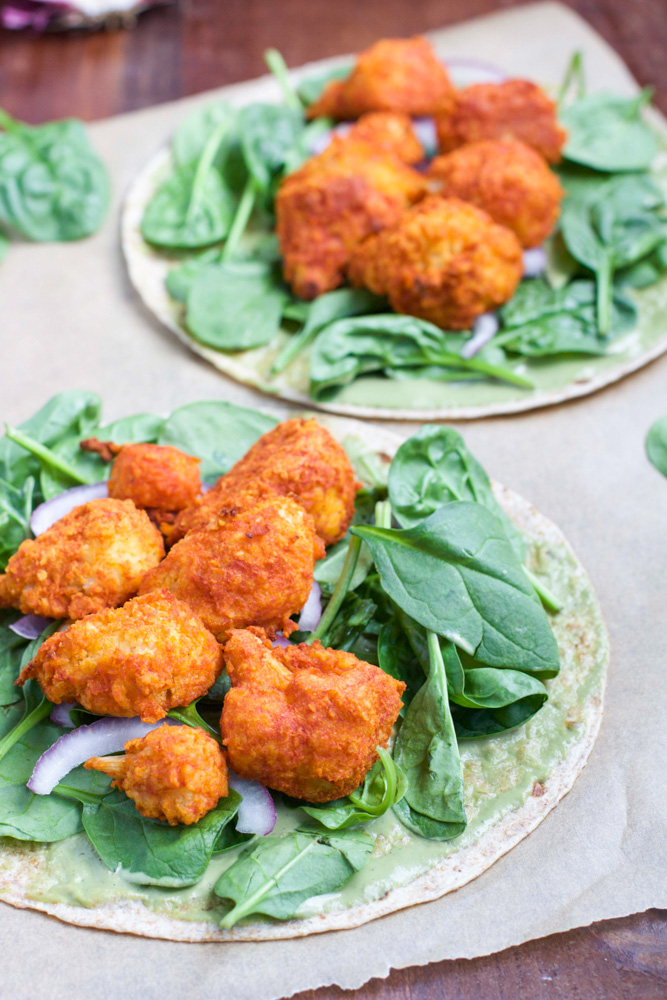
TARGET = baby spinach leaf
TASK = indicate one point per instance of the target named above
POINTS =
(180, 279)
(487, 700)
(427, 751)
(339, 304)
(15, 511)
(383, 787)
(606, 132)
(52, 185)
(310, 89)
(276, 875)
(347, 348)
(268, 134)
(434, 467)
(72, 412)
(218, 433)
(4, 246)
(195, 130)
(193, 207)
(656, 444)
(148, 851)
(457, 574)
(235, 306)
(11, 649)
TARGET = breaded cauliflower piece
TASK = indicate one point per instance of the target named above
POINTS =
(304, 720)
(394, 74)
(391, 132)
(509, 180)
(156, 477)
(174, 773)
(446, 261)
(514, 109)
(333, 202)
(298, 458)
(93, 558)
(142, 659)
(248, 568)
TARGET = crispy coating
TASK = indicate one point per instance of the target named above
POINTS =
(248, 568)
(298, 458)
(333, 202)
(389, 131)
(174, 773)
(394, 74)
(509, 180)
(142, 659)
(93, 558)
(304, 720)
(446, 262)
(155, 476)
(515, 109)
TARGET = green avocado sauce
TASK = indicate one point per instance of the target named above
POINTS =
(500, 774)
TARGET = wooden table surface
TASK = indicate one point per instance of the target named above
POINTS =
(194, 46)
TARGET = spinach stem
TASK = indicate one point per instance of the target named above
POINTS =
(241, 217)
(44, 454)
(205, 163)
(383, 514)
(604, 296)
(549, 600)
(274, 60)
(294, 346)
(248, 904)
(27, 723)
(75, 793)
(574, 74)
(189, 716)
(340, 590)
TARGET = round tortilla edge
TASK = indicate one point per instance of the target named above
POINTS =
(21, 862)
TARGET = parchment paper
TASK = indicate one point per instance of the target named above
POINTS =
(69, 320)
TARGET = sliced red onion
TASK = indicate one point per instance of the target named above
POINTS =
(30, 626)
(257, 812)
(468, 71)
(484, 329)
(311, 613)
(281, 641)
(534, 262)
(60, 714)
(52, 510)
(99, 738)
(427, 135)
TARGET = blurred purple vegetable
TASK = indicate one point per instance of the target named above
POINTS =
(54, 15)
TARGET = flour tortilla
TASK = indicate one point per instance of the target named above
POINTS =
(149, 267)
(21, 862)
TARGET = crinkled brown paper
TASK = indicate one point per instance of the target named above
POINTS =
(70, 320)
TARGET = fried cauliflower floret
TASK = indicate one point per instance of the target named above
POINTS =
(333, 202)
(298, 458)
(142, 659)
(93, 558)
(249, 568)
(155, 476)
(389, 131)
(394, 74)
(509, 180)
(304, 720)
(174, 773)
(515, 109)
(446, 262)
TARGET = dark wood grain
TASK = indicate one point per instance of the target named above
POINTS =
(200, 44)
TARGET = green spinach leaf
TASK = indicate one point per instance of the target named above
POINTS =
(15, 511)
(656, 444)
(193, 133)
(457, 575)
(149, 852)
(382, 788)
(606, 132)
(277, 874)
(235, 306)
(268, 134)
(53, 187)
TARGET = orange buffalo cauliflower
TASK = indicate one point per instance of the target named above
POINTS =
(248, 568)
(304, 720)
(446, 261)
(394, 74)
(92, 558)
(142, 659)
(389, 131)
(298, 458)
(174, 773)
(333, 202)
(157, 477)
(509, 180)
(515, 109)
